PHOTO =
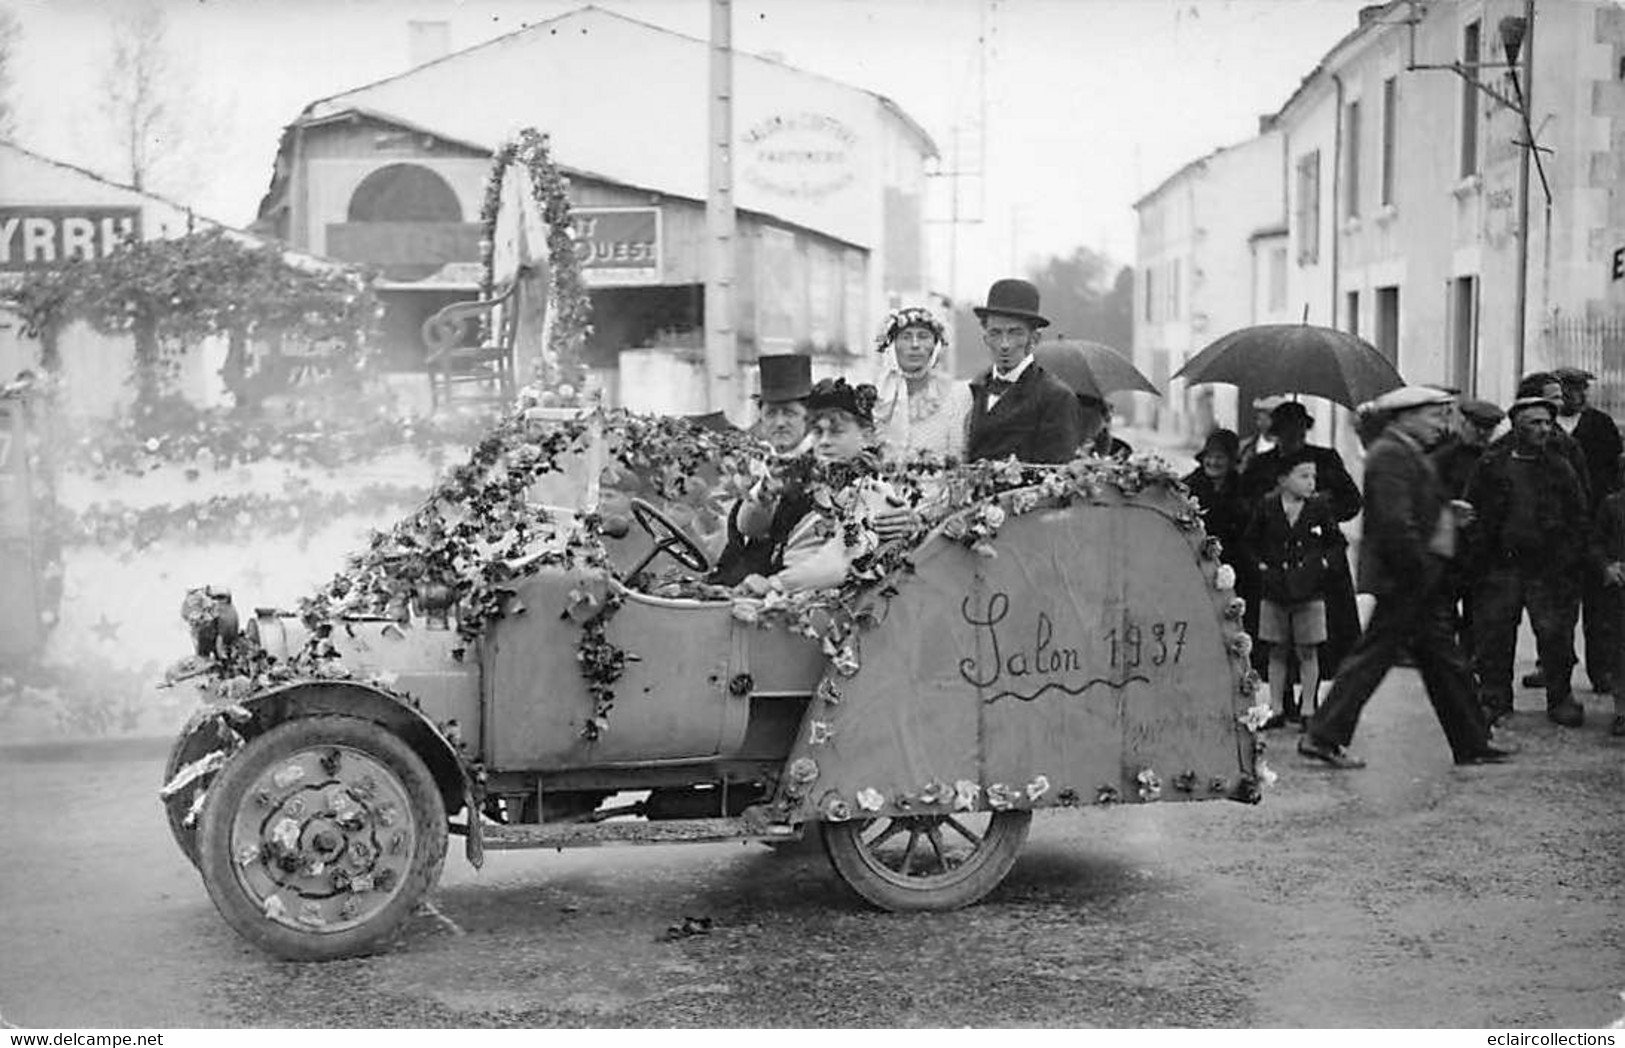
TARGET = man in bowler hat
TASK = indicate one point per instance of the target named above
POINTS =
(786, 382)
(1018, 408)
(1407, 542)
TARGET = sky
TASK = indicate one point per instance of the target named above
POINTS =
(1088, 103)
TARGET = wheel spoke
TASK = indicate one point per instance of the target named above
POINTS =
(893, 828)
(959, 827)
(934, 834)
(908, 851)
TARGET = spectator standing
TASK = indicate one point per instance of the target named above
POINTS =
(1408, 533)
(1530, 545)
(1608, 555)
(1599, 442)
(1455, 461)
(1259, 441)
(1293, 538)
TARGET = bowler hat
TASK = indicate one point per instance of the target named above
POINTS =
(1291, 411)
(1012, 298)
(785, 376)
(1481, 413)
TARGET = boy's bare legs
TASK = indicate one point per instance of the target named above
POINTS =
(1309, 675)
(1278, 680)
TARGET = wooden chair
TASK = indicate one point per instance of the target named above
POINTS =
(458, 354)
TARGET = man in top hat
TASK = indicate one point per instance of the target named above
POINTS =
(1530, 548)
(1018, 408)
(1600, 446)
(786, 383)
(1408, 537)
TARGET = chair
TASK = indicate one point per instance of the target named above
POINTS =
(460, 356)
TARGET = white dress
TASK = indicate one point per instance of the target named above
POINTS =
(932, 420)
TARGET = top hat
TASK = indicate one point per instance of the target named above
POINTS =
(1012, 298)
(785, 376)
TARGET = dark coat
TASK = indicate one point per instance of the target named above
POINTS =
(1560, 507)
(1225, 511)
(763, 556)
(1566, 448)
(1332, 480)
(1294, 558)
(1036, 420)
(1455, 462)
(1608, 532)
(1403, 500)
(1600, 447)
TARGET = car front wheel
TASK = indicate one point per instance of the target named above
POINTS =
(926, 862)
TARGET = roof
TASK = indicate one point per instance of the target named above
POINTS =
(1371, 19)
(1194, 165)
(298, 258)
(458, 130)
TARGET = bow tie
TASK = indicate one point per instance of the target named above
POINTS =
(998, 387)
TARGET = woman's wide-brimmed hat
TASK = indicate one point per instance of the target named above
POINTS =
(1012, 298)
(1223, 441)
(836, 394)
(785, 377)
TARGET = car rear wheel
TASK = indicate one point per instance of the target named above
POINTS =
(926, 862)
(320, 836)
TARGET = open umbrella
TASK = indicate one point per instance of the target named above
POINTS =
(1295, 358)
(1091, 369)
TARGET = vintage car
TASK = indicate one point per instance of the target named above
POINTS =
(1069, 643)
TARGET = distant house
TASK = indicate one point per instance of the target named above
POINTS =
(829, 181)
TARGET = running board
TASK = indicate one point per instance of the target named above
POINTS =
(661, 831)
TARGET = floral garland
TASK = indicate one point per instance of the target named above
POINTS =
(560, 368)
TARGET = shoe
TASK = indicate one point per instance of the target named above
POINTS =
(1617, 728)
(1498, 717)
(1567, 714)
(1488, 755)
(1336, 756)
(1536, 679)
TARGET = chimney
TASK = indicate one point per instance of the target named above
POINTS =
(427, 41)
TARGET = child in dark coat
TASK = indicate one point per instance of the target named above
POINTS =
(1294, 537)
(1608, 551)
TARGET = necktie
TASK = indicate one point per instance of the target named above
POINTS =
(998, 386)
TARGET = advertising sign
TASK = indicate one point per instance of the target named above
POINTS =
(40, 237)
(808, 155)
(618, 246)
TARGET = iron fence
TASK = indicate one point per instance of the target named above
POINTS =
(1598, 346)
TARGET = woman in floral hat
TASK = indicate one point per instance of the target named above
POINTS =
(919, 409)
(815, 551)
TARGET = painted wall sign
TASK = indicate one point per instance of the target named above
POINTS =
(800, 155)
(37, 237)
(618, 245)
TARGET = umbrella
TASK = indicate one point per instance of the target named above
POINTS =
(1295, 358)
(1091, 369)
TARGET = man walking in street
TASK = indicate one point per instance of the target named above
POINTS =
(1018, 408)
(1409, 536)
(1530, 543)
(1599, 442)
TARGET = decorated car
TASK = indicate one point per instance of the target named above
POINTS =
(526, 677)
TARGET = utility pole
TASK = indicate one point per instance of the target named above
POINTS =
(721, 345)
(1521, 300)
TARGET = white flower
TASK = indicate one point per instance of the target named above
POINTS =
(870, 799)
(1266, 774)
(993, 516)
(1256, 716)
(1224, 577)
(965, 793)
(1037, 788)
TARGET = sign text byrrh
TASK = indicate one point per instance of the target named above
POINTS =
(41, 237)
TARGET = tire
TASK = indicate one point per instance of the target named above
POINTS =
(961, 861)
(319, 838)
(177, 806)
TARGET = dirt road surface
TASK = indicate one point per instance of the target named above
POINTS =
(1410, 894)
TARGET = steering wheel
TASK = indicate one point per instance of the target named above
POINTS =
(668, 538)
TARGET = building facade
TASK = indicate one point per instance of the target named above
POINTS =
(829, 183)
(1403, 199)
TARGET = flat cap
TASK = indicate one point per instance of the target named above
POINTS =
(1481, 412)
(1407, 397)
(1525, 403)
(1573, 376)
(1269, 403)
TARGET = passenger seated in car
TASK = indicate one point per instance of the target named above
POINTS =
(816, 552)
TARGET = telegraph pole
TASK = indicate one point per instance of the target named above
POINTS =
(721, 344)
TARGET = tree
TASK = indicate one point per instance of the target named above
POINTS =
(1085, 299)
(142, 96)
(11, 32)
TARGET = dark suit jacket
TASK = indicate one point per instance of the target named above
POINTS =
(1036, 420)
(1294, 558)
(1561, 511)
(1403, 500)
(1599, 442)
